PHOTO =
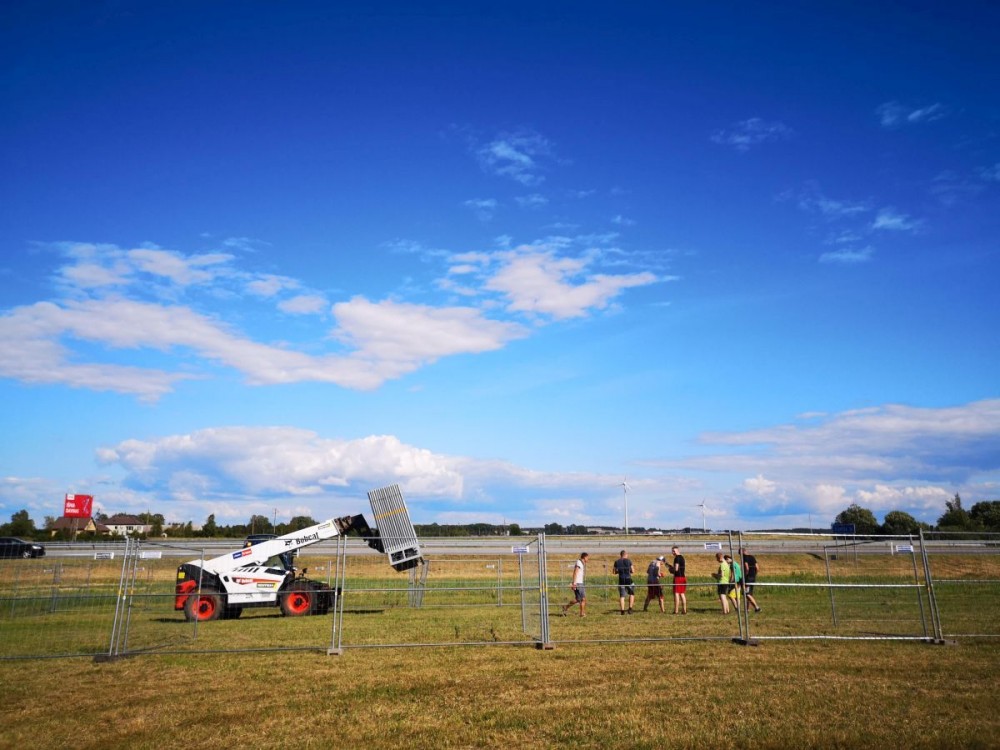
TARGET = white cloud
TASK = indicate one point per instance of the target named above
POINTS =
(87, 339)
(484, 208)
(760, 486)
(268, 285)
(279, 460)
(98, 266)
(847, 256)
(746, 134)
(536, 280)
(892, 220)
(535, 200)
(183, 270)
(389, 339)
(992, 173)
(303, 304)
(398, 337)
(887, 443)
(516, 155)
(622, 221)
(893, 114)
(812, 199)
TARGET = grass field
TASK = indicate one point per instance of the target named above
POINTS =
(683, 695)
(587, 693)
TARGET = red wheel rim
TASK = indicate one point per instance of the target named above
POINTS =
(298, 602)
(206, 607)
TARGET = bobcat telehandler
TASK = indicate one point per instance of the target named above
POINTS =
(261, 575)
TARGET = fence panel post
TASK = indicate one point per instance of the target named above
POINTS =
(931, 597)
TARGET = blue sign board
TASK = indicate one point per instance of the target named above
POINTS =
(844, 529)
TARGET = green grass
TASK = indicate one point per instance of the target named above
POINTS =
(647, 685)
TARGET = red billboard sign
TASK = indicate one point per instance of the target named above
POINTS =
(78, 506)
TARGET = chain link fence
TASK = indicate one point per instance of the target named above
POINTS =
(121, 600)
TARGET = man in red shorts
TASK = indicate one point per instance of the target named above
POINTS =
(680, 582)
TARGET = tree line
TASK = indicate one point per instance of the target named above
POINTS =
(983, 516)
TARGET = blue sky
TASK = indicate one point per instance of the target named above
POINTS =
(261, 258)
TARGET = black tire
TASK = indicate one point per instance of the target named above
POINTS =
(205, 607)
(232, 612)
(299, 600)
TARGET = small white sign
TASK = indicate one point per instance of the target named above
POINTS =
(150, 554)
(714, 546)
(104, 555)
(904, 548)
(519, 550)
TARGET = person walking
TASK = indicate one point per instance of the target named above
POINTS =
(579, 592)
(736, 582)
(625, 570)
(677, 567)
(654, 590)
(723, 577)
(750, 570)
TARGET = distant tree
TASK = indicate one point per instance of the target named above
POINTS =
(156, 527)
(20, 525)
(955, 518)
(898, 522)
(209, 528)
(986, 514)
(514, 529)
(554, 528)
(259, 524)
(862, 518)
(300, 522)
(576, 529)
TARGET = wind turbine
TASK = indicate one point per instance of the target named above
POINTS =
(701, 505)
(625, 489)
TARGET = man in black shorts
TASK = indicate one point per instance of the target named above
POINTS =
(750, 570)
(625, 569)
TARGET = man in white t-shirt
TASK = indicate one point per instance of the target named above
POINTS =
(579, 594)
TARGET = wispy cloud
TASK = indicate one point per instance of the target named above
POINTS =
(746, 134)
(887, 443)
(812, 200)
(894, 221)
(108, 316)
(888, 457)
(893, 114)
(991, 173)
(304, 304)
(847, 256)
(519, 156)
(483, 208)
(535, 200)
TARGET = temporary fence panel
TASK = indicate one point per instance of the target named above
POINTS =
(456, 599)
(59, 606)
(965, 575)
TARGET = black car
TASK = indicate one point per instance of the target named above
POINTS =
(13, 547)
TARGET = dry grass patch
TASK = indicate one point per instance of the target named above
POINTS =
(641, 695)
